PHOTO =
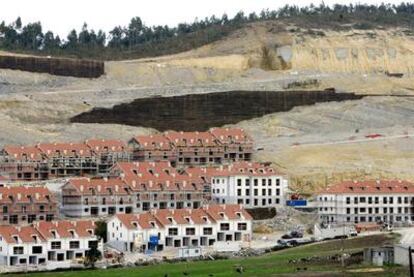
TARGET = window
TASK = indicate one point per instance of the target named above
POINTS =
(5, 209)
(239, 182)
(207, 231)
(173, 231)
(239, 192)
(224, 226)
(242, 226)
(247, 192)
(74, 244)
(36, 250)
(18, 250)
(190, 231)
(56, 245)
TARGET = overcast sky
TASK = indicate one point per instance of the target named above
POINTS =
(62, 16)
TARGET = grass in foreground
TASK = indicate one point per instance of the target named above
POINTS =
(273, 264)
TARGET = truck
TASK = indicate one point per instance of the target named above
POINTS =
(333, 232)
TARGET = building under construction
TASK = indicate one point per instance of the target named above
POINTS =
(96, 156)
(58, 160)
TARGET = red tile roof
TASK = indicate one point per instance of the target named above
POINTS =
(174, 217)
(370, 187)
(236, 168)
(99, 186)
(191, 139)
(63, 228)
(65, 149)
(106, 145)
(24, 194)
(19, 234)
(30, 153)
(156, 176)
(231, 135)
(153, 142)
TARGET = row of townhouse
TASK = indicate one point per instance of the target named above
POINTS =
(133, 187)
(25, 204)
(186, 228)
(56, 160)
(216, 146)
(44, 242)
(96, 156)
(252, 184)
(367, 201)
(140, 186)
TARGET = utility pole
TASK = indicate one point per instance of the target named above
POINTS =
(410, 259)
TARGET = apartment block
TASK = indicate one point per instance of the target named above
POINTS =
(25, 204)
(251, 184)
(216, 146)
(132, 187)
(157, 230)
(44, 242)
(367, 201)
(58, 160)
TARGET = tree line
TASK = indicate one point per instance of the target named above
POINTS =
(138, 40)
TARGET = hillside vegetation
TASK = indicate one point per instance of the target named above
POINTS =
(138, 40)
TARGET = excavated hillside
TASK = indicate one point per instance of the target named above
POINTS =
(315, 144)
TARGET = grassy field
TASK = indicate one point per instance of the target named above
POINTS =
(273, 264)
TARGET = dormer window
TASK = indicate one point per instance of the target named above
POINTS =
(170, 219)
(238, 215)
(152, 223)
(53, 233)
(72, 233)
(34, 237)
(221, 215)
(16, 239)
(187, 219)
(135, 224)
(90, 232)
(205, 219)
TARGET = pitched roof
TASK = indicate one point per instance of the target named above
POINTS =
(231, 135)
(65, 149)
(63, 228)
(191, 139)
(99, 186)
(31, 153)
(236, 168)
(156, 176)
(153, 142)
(164, 217)
(25, 194)
(370, 187)
(106, 145)
(18, 234)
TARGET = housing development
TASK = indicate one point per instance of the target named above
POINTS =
(181, 194)
(260, 141)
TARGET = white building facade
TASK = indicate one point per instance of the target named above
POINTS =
(47, 242)
(253, 185)
(181, 229)
(367, 201)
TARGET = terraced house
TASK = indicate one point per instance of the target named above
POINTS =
(177, 229)
(133, 187)
(216, 146)
(56, 160)
(251, 184)
(41, 243)
(388, 201)
(25, 204)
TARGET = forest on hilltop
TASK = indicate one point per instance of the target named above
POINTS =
(138, 40)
